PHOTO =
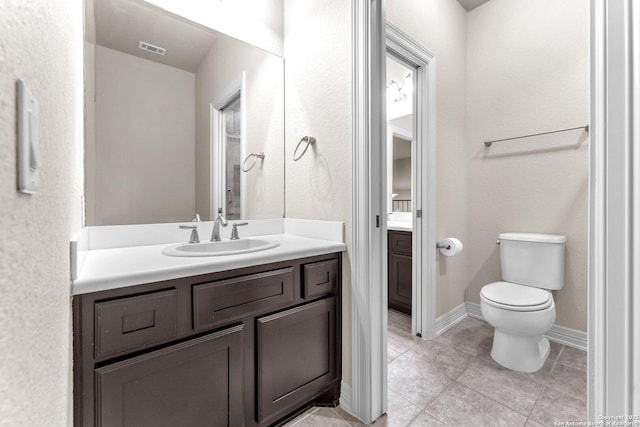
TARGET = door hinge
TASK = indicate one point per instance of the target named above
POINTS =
(377, 221)
(419, 213)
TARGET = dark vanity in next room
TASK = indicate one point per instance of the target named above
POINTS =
(399, 270)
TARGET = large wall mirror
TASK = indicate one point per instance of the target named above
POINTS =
(179, 119)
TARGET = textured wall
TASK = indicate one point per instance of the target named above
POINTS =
(264, 130)
(528, 72)
(318, 103)
(40, 43)
(440, 26)
(145, 133)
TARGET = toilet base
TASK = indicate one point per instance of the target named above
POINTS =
(524, 354)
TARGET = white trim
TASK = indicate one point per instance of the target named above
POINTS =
(346, 400)
(450, 319)
(560, 334)
(473, 310)
(423, 165)
(614, 240)
(368, 299)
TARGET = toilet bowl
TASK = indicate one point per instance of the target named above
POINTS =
(520, 318)
(521, 307)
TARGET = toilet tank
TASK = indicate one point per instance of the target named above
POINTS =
(533, 259)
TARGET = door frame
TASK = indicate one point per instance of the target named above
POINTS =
(369, 270)
(423, 164)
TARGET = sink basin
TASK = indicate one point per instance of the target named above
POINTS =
(225, 247)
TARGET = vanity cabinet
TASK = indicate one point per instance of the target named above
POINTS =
(399, 270)
(245, 347)
(296, 356)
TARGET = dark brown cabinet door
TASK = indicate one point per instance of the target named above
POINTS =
(195, 383)
(400, 283)
(296, 357)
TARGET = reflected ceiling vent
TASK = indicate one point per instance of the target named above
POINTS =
(152, 48)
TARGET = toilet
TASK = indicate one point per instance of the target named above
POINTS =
(521, 307)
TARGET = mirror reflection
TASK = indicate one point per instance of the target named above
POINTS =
(172, 110)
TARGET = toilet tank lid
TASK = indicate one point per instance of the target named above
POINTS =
(533, 237)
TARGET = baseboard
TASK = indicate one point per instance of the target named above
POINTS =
(557, 333)
(346, 399)
(450, 318)
(473, 310)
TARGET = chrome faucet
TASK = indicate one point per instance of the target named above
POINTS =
(234, 231)
(194, 229)
(215, 235)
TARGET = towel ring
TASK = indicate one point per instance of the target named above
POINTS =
(309, 140)
(255, 156)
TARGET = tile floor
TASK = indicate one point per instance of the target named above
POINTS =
(452, 381)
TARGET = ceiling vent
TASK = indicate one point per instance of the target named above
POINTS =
(151, 48)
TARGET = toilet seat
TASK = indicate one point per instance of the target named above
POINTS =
(514, 297)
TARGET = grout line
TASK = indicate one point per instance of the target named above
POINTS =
(536, 402)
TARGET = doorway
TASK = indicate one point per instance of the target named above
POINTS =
(401, 121)
(232, 125)
(410, 108)
(227, 127)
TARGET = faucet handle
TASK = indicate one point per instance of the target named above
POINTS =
(234, 230)
(194, 232)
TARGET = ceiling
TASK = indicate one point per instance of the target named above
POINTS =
(471, 4)
(122, 24)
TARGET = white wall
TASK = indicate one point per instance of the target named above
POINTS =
(402, 178)
(527, 72)
(440, 26)
(40, 43)
(264, 98)
(144, 164)
(318, 103)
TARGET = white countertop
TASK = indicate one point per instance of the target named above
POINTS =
(114, 268)
(400, 226)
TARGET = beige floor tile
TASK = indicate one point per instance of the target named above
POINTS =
(447, 359)
(353, 421)
(399, 320)
(573, 358)
(400, 412)
(320, 417)
(503, 385)
(460, 406)
(400, 341)
(553, 406)
(300, 417)
(426, 420)
(471, 336)
(568, 380)
(417, 383)
(391, 355)
(531, 423)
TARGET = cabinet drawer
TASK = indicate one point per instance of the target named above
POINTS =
(400, 242)
(230, 299)
(319, 278)
(132, 323)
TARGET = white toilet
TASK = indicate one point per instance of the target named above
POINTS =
(521, 307)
